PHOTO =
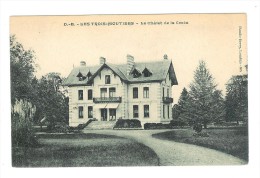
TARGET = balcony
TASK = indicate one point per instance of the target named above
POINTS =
(107, 100)
(167, 100)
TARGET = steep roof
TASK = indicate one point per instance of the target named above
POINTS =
(72, 79)
(159, 72)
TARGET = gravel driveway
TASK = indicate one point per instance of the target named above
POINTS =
(173, 153)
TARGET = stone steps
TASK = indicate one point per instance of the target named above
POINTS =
(99, 125)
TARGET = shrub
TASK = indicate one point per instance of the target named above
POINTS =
(127, 123)
(197, 127)
(178, 123)
(22, 129)
(60, 127)
(148, 126)
(81, 126)
(226, 124)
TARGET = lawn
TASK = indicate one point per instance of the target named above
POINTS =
(232, 141)
(84, 150)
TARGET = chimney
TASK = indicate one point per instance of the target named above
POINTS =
(165, 57)
(102, 60)
(82, 64)
(130, 63)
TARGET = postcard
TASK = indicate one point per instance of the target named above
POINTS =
(129, 90)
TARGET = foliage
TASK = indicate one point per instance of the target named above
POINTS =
(23, 110)
(22, 131)
(127, 123)
(181, 111)
(157, 126)
(178, 123)
(237, 99)
(44, 94)
(51, 103)
(197, 127)
(22, 70)
(203, 103)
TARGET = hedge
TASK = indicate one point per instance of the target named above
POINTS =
(156, 126)
(127, 123)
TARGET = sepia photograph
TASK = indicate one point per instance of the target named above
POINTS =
(129, 90)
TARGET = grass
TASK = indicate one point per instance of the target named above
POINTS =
(232, 141)
(84, 150)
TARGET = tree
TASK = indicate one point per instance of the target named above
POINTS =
(50, 101)
(22, 73)
(237, 99)
(22, 70)
(205, 101)
(181, 109)
(44, 94)
(22, 131)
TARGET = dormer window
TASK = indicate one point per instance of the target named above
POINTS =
(80, 76)
(89, 74)
(136, 73)
(147, 72)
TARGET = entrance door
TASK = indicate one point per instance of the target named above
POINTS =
(103, 114)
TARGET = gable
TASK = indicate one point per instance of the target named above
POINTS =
(105, 66)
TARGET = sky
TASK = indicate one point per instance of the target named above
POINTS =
(218, 39)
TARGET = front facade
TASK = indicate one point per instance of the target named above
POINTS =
(109, 92)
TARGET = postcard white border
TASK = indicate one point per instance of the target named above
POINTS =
(63, 7)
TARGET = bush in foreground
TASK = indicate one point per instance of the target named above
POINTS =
(127, 123)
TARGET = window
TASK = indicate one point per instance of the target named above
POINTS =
(80, 76)
(163, 91)
(112, 114)
(135, 92)
(112, 92)
(107, 79)
(80, 94)
(146, 92)
(147, 72)
(163, 111)
(89, 75)
(103, 92)
(80, 111)
(146, 111)
(168, 111)
(136, 73)
(168, 92)
(90, 112)
(90, 95)
(135, 111)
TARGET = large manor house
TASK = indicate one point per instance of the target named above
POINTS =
(133, 90)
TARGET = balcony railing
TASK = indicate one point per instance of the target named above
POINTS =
(167, 100)
(107, 100)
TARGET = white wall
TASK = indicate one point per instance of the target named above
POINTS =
(74, 103)
(99, 82)
(152, 101)
(166, 84)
